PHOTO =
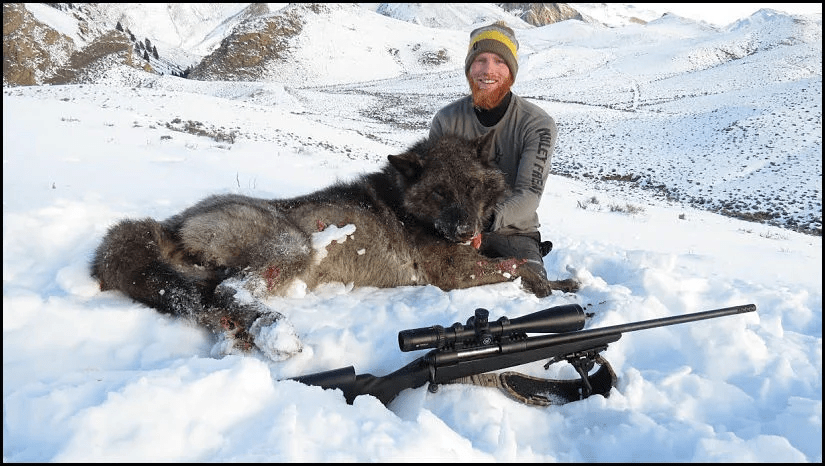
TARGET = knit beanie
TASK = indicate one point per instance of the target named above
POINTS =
(497, 38)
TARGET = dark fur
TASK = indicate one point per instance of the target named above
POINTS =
(412, 222)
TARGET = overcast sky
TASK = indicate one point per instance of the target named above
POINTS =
(722, 14)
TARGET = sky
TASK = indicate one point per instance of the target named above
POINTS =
(93, 376)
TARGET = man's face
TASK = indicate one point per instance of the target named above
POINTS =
(490, 80)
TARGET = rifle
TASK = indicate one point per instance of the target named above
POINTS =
(468, 353)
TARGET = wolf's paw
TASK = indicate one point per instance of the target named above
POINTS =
(533, 283)
(541, 287)
(569, 285)
(229, 343)
(275, 336)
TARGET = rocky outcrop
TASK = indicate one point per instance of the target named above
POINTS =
(254, 43)
(32, 51)
(110, 48)
(541, 14)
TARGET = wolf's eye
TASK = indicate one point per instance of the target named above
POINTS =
(436, 196)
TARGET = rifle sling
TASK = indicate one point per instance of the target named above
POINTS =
(537, 391)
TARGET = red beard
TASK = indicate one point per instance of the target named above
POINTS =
(488, 99)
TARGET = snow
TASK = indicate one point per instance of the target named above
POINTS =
(56, 19)
(93, 376)
(715, 14)
(330, 234)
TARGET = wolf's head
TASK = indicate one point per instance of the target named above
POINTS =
(451, 183)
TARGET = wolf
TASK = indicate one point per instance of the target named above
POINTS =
(417, 221)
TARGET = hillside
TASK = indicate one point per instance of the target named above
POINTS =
(665, 107)
(653, 117)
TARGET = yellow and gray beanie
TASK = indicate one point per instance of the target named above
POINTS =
(497, 38)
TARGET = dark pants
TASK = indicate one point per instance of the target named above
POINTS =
(523, 246)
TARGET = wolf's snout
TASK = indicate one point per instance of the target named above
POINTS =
(456, 225)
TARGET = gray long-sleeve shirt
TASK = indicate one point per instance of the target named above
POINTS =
(524, 142)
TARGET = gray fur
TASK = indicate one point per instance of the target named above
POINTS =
(412, 222)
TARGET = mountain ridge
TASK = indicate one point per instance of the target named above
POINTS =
(630, 101)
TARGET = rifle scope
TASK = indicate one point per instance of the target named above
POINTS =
(558, 319)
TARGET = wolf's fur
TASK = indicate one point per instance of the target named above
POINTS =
(412, 222)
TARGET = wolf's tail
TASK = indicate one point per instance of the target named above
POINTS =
(133, 259)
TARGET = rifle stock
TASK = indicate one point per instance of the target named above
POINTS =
(386, 388)
(502, 347)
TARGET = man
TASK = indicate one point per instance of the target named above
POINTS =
(524, 141)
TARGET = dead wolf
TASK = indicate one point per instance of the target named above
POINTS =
(414, 222)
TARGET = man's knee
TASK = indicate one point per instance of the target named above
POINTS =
(537, 267)
(519, 246)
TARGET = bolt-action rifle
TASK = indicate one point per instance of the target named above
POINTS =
(469, 353)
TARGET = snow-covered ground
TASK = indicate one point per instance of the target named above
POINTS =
(92, 376)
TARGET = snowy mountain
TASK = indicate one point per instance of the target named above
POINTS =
(697, 89)
(187, 34)
(664, 125)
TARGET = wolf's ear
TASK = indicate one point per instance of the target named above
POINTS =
(486, 151)
(408, 164)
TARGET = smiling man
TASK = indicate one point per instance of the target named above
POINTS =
(524, 139)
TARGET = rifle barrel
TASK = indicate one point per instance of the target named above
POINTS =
(441, 366)
(633, 326)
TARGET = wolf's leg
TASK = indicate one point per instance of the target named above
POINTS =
(265, 249)
(452, 266)
(531, 280)
(527, 246)
(242, 321)
(460, 266)
(541, 286)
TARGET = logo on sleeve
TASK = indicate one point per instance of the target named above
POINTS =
(543, 156)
